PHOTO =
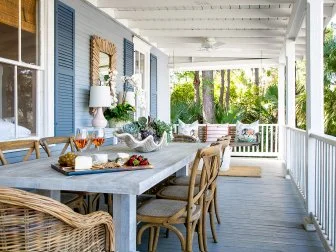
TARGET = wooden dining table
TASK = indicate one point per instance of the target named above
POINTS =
(125, 186)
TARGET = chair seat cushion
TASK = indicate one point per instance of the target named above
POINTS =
(184, 180)
(176, 192)
(161, 208)
(179, 192)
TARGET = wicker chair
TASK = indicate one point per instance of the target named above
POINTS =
(166, 213)
(30, 222)
(78, 201)
(180, 192)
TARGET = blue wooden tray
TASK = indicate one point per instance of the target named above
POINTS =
(68, 171)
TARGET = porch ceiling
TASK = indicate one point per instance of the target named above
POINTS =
(247, 30)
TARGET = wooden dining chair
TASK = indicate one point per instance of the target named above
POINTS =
(67, 141)
(167, 213)
(28, 146)
(180, 192)
(75, 200)
(184, 180)
(31, 222)
(79, 201)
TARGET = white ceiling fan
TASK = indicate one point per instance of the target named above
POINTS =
(210, 44)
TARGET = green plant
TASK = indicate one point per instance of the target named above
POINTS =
(144, 128)
(160, 127)
(121, 112)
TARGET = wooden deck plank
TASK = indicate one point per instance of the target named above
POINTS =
(258, 215)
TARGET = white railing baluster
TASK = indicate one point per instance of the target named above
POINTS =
(268, 147)
(271, 137)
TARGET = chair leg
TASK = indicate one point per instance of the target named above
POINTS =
(216, 207)
(156, 238)
(204, 234)
(110, 204)
(167, 233)
(179, 235)
(212, 220)
(151, 239)
(200, 235)
(189, 238)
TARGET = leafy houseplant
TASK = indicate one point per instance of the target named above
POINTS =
(121, 113)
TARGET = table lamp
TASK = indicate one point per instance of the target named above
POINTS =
(100, 97)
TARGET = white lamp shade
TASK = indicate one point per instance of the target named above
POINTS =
(100, 97)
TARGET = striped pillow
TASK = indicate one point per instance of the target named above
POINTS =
(214, 131)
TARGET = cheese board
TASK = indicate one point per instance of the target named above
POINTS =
(70, 171)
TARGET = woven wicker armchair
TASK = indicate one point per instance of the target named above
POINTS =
(30, 222)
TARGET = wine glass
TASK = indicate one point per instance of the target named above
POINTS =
(81, 138)
(98, 137)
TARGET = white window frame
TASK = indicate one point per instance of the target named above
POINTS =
(44, 71)
(144, 48)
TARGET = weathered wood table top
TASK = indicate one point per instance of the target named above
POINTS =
(38, 174)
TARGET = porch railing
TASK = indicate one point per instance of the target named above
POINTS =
(269, 142)
(324, 193)
(325, 182)
(296, 158)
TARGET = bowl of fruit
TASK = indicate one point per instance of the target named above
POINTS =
(136, 160)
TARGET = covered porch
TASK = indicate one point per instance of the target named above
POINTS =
(257, 214)
(154, 37)
(252, 34)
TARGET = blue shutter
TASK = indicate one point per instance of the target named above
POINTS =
(64, 69)
(153, 86)
(128, 61)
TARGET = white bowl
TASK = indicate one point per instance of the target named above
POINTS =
(146, 145)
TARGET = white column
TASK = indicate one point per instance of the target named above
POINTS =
(290, 95)
(281, 109)
(290, 83)
(315, 101)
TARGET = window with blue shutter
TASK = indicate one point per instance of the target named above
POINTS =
(64, 69)
(153, 86)
(128, 61)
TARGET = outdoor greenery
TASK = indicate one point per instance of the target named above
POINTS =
(250, 94)
(248, 102)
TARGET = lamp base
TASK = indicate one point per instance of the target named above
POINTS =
(99, 120)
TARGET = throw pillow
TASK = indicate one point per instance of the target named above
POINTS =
(247, 132)
(188, 129)
(215, 131)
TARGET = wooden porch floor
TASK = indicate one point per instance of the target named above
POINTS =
(258, 215)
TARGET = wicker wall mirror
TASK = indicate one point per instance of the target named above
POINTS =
(103, 58)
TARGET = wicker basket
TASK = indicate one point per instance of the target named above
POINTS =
(146, 145)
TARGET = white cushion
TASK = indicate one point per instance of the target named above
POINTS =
(7, 131)
(247, 132)
(214, 131)
(188, 129)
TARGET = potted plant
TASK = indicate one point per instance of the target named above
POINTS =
(145, 135)
(119, 115)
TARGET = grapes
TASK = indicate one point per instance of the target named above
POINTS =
(67, 159)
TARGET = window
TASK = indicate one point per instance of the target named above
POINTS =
(19, 67)
(141, 66)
